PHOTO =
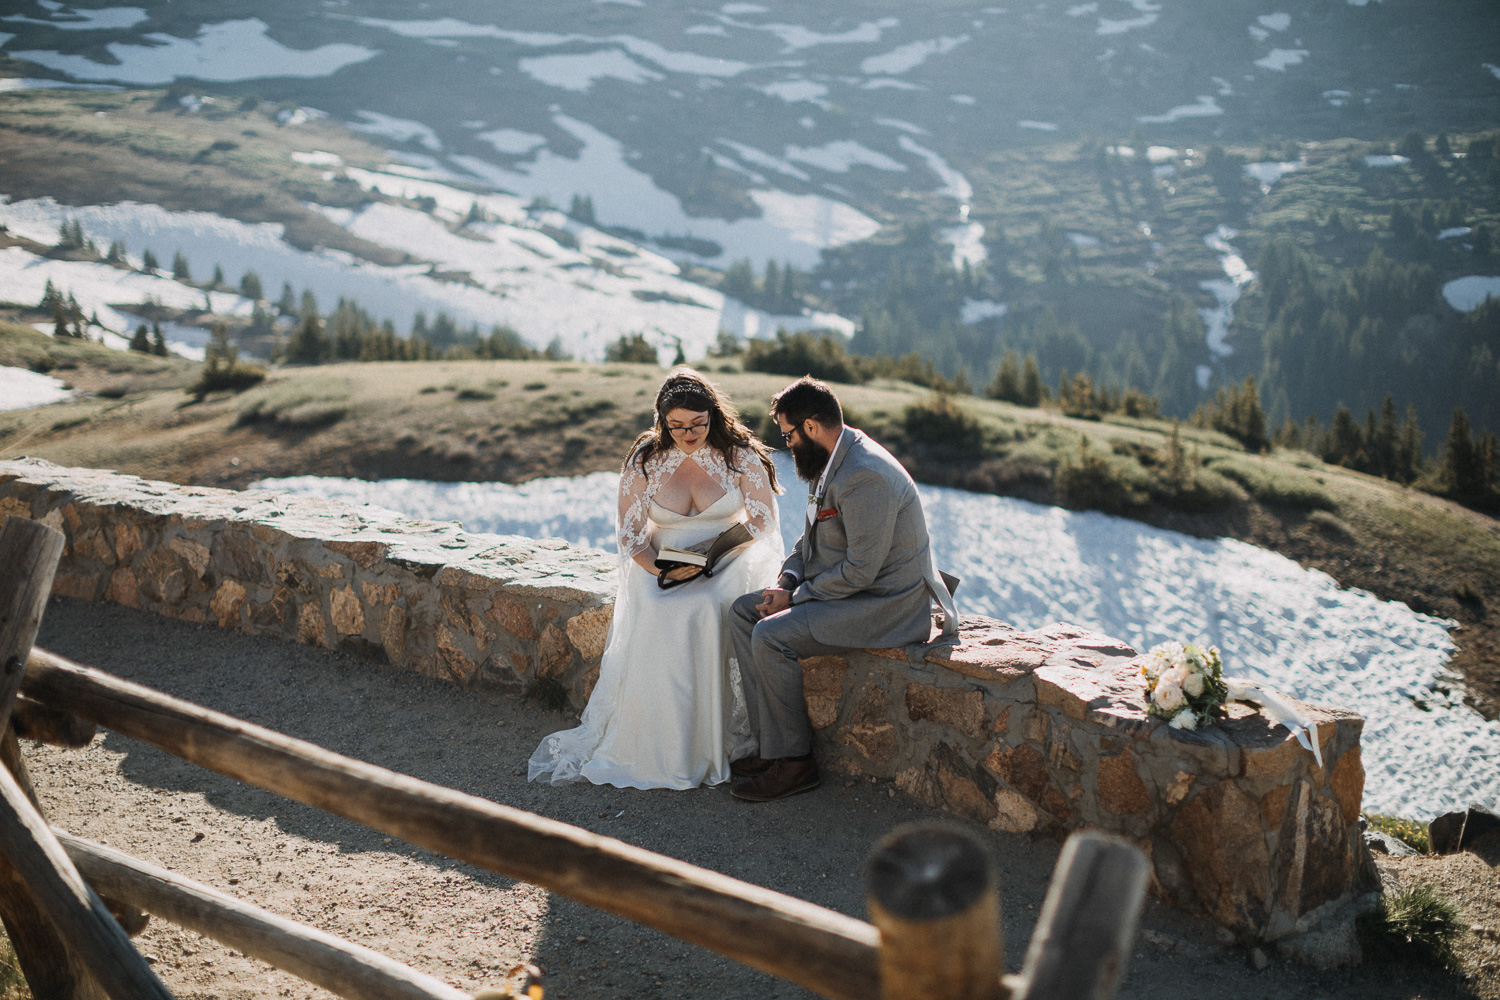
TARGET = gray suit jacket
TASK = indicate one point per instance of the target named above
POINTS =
(866, 570)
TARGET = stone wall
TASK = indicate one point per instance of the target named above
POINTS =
(1021, 731)
(461, 606)
(1046, 731)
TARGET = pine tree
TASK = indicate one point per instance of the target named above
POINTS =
(1345, 443)
(158, 342)
(141, 341)
(250, 286)
(308, 344)
(1409, 451)
(1248, 417)
(180, 269)
(1385, 441)
(75, 316)
(287, 304)
(1031, 382)
(218, 279)
(148, 261)
(50, 297)
(1007, 382)
(116, 253)
(1176, 470)
(1462, 474)
(739, 282)
(1289, 436)
(1489, 459)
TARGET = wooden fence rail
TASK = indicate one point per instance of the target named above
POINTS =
(934, 891)
(347, 969)
(825, 951)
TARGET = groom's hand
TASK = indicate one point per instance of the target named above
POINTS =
(773, 600)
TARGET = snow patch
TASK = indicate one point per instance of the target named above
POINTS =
(1226, 290)
(101, 19)
(1205, 107)
(21, 389)
(978, 310)
(32, 83)
(793, 91)
(968, 244)
(318, 158)
(839, 157)
(399, 129)
(1468, 294)
(230, 50)
(512, 142)
(908, 57)
(578, 71)
(1268, 172)
(1279, 59)
(955, 184)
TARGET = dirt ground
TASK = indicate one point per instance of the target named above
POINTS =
(467, 926)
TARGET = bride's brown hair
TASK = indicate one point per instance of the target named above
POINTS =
(685, 389)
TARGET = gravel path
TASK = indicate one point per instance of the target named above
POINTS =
(467, 926)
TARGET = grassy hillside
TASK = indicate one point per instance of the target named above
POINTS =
(517, 420)
(234, 159)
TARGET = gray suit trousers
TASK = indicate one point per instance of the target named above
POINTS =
(768, 650)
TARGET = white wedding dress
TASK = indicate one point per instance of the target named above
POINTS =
(668, 710)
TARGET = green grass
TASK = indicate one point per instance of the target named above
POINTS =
(1408, 831)
(298, 403)
(1276, 482)
(23, 347)
(1415, 925)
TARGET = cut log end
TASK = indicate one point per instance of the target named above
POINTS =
(929, 872)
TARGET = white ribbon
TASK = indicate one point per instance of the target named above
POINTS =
(1281, 709)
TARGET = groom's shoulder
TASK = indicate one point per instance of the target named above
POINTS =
(868, 453)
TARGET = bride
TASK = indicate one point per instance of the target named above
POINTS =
(668, 710)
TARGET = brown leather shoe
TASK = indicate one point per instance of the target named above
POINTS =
(748, 767)
(782, 778)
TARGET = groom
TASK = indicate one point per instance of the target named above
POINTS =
(861, 575)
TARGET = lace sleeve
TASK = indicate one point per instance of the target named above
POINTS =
(633, 534)
(760, 502)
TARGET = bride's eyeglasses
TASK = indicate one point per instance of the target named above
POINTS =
(676, 431)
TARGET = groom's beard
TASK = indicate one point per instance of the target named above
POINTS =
(810, 457)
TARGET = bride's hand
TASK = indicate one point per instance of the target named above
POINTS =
(683, 572)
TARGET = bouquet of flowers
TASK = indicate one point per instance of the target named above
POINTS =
(1184, 684)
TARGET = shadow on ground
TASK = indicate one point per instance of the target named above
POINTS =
(812, 846)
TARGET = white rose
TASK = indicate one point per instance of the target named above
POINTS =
(1168, 695)
(1193, 685)
(1177, 675)
(1184, 719)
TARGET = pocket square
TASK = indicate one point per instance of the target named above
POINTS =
(825, 515)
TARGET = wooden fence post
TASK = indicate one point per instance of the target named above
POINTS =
(67, 943)
(1088, 923)
(935, 897)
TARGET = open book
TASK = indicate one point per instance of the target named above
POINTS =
(729, 543)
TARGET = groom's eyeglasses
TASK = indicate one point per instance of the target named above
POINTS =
(689, 429)
(786, 435)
